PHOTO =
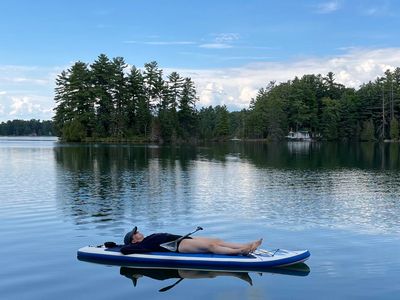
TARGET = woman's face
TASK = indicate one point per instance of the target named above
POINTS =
(137, 237)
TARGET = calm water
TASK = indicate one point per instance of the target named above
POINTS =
(342, 202)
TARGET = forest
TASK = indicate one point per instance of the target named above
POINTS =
(27, 128)
(109, 101)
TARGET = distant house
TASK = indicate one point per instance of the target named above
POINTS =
(299, 136)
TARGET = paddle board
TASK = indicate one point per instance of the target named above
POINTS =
(258, 260)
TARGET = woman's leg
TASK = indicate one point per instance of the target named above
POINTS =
(254, 245)
(204, 245)
(222, 242)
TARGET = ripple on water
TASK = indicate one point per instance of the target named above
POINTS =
(54, 201)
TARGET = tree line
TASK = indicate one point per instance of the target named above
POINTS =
(27, 128)
(328, 110)
(106, 100)
(101, 100)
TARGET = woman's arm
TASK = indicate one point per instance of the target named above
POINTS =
(134, 248)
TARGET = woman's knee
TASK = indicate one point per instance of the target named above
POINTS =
(212, 246)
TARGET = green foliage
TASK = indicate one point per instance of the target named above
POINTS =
(27, 128)
(349, 107)
(325, 108)
(207, 123)
(222, 122)
(73, 131)
(187, 109)
(368, 131)
(104, 100)
(329, 119)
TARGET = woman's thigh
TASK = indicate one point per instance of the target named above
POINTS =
(206, 239)
(194, 245)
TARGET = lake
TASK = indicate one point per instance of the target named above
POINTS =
(340, 201)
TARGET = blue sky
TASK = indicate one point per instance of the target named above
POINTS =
(229, 48)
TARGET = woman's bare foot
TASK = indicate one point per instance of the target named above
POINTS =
(255, 245)
(246, 250)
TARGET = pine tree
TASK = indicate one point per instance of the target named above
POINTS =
(207, 123)
(75, 102)
(63, 110)
(222, 122)
(154, 86)
(330, 117)
(102, 72)
(137, 110)
(187, 109)
(368, 131)
(119, 96)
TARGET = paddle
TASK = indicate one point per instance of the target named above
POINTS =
(173, 246)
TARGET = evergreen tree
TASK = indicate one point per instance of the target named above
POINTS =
(349, 115)
(154, 86)
(222, 122)
(63, 109)
(275, 118)
(101, 101)
(28, 128)
(81, 97)
(330, 117)
(74, 99)
(175, 87)
(102, 73)
(73, 131)
(119, 96)
(207, 123)
(167, 115)
(137, 110)
(187, 109)
(368, 131)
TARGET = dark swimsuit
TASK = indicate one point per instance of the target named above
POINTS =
(152, 243)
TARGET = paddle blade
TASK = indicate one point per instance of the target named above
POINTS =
(170, 246)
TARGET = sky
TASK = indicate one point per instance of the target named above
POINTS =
(230, 49)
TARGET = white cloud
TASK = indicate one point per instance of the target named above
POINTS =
(215, 46)
(221, 41)
(27, 91)
(231, 86)
(26, 107)
(19, 104)
(236, 86)
(327, 7)
(226, 37)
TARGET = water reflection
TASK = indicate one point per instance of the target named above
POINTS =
(288, 184)
(315, 155)
(178, 274)
(309, 155)
(135, 273)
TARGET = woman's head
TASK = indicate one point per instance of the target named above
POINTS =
(133, 236)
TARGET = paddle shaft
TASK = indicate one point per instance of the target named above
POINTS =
(185, 236)
(173, 245)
